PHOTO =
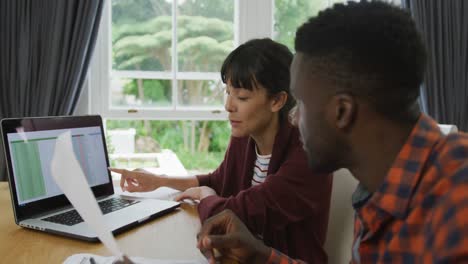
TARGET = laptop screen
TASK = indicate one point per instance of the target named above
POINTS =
(29, 145)
(31, 155)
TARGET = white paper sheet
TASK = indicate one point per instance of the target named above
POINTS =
(84, 259)
(69, 176)
(162, 193)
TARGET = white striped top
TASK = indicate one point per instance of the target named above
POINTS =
(260, 168)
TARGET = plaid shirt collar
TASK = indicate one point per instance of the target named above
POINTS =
(394, 196)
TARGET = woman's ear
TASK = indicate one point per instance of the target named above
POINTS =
(278, 101)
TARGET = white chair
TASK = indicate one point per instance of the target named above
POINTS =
(341, 221)
(447, 129)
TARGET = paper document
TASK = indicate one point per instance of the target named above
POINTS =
(162, 193)
(68, 175)
(85, 259)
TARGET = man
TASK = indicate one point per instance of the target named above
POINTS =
(356, 76)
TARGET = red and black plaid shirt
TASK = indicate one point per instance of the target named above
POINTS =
(420, 212)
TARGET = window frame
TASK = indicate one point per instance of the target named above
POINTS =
(252, 19)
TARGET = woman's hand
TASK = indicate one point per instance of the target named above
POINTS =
(196, 193)
(139, 180)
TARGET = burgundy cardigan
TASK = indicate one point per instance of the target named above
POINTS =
(289, 211)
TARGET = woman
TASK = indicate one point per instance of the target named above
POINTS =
(264, 178)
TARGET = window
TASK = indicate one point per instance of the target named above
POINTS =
(155, 76)
(290, 14)
(155, 72)
(166, 54)
(199, 145)
(163, 64)
(160, 59)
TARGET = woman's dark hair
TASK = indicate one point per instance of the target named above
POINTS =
(260, 62)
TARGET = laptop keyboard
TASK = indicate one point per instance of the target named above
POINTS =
(72, 217)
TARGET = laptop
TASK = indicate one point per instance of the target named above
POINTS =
(39, 204)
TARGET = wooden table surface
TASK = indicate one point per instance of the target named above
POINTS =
(172, 236)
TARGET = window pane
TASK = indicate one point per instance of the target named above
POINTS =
(289, 15)
(206, 93)
(141, 35)
(332, 2)
(141, 93)
(199, 145)
(205, 34)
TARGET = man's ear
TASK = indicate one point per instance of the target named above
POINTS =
(345, 110)
(278, 101)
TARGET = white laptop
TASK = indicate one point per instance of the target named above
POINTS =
(37, 201)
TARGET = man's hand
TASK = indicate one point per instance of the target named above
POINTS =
(196, 193)
(227, 234)
(139, 180)
(124, 260)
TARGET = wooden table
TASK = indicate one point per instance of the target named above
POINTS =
(172, 236)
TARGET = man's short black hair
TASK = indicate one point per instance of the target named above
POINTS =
(371, 49)
(264, 62)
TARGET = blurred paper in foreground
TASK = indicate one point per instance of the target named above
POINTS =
(69, 176)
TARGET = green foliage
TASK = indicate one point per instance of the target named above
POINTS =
(195, 26)
(202, 42)
(109, 146)
(153, 25)
(193, 53)
(170, 135)
(290, 14)
(133, 11)
(142, 39)
(206, 161)
(221, 9)
(134, 163)
(123, 124)
(154, 91)
(220, 136)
